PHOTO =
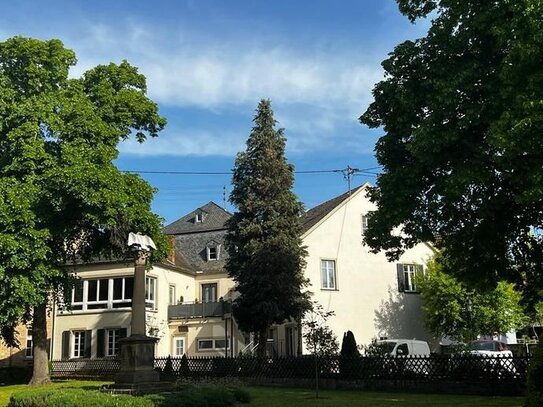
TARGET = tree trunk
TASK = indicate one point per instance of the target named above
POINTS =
(262, 341)
(40, 372)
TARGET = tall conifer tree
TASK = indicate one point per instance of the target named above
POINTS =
(264, 239)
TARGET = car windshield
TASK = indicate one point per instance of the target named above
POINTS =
(488, 346)
(386, 347)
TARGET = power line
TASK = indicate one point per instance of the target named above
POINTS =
(364, 170)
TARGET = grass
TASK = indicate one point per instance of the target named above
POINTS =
(281, 397)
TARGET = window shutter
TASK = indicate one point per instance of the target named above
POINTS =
(123, 333)
(88, 339)
(401, 278)
(100, 343)
(66, 345)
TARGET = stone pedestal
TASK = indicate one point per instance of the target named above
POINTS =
(137, 361)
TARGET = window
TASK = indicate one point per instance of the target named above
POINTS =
(123, 288)
(364, 224)
(328, 274)
(178, 346)
(212, 344)
(102, 293)
(29, 351)
(209, 292)
(213, 252)
(150, 292)
(172, 299)
(407, 277)
(78, 345)
(198, 218)
(112, 342)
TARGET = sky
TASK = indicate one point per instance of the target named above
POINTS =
(209, 62)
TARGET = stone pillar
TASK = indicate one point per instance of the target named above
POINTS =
(138, 350)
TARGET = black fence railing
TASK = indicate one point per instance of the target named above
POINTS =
(199, 310)
(460, 368)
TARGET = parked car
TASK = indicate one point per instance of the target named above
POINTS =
(407, 357)
(495, 358)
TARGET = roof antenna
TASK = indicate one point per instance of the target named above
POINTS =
(224, 197)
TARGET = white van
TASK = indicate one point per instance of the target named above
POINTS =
(403, 347)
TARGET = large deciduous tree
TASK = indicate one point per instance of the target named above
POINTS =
(462, 112)
(264, 237)
(61, 197)
(453, 309)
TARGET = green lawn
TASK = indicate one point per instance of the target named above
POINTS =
(284, 397)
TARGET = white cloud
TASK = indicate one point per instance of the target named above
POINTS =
(186, 143)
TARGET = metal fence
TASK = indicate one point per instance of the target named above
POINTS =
(460, 368)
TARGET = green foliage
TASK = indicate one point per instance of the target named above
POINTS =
(348, 345)
(349, 364)
(264, 239)
(453, 309)
(74, 398)
(534, 384)
(319, 339)
(189, 396)
(62, 199)
(201, 396)
(462, 113)
(15, 375)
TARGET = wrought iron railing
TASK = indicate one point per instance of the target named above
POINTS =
(199, 310)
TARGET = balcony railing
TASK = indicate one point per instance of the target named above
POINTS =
(199, 310)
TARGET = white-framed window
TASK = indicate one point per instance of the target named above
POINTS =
(328, 274)
(150, 292)
(78, 344)
(209, 292)
(210, 344)
(112, 342)
(29, 351)
(199, 217)
(178, 346)
(106, 293)
(407, 281)
(213, 252)
(364, 224)
(172, 299)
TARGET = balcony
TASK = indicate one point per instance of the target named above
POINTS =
(199, 310)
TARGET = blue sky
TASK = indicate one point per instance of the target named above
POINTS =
(208, 63)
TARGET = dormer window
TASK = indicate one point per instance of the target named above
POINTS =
(199, 217)
(213, 252)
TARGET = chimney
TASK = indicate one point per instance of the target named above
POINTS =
(171, 251)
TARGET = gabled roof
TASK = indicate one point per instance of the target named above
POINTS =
(319, 212)
(215, 219)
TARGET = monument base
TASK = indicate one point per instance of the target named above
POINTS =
(137, 361)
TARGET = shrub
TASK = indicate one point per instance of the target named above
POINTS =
(349, 365)
(74, 398)
(15, 375)
(534, 384)
(201, 396)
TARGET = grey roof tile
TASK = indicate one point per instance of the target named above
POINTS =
(213, 218)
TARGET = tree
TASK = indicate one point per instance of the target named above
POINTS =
(453, 309)
(264, 235)
(320, 340)
(62, 199)
(461, 109)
